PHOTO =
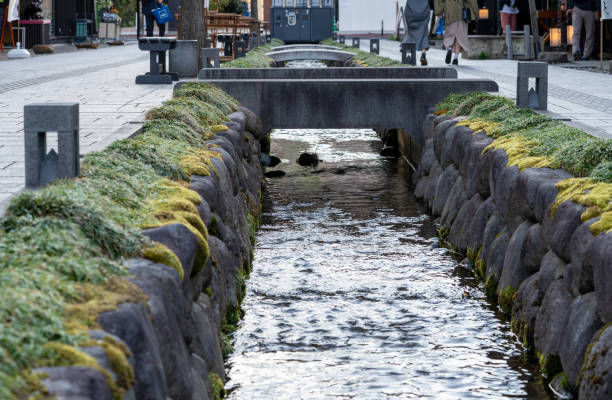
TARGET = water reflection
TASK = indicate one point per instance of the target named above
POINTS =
(349, 298)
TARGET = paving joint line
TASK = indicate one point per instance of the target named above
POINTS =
(67, 74)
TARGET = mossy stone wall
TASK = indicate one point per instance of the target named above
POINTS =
(537, 254)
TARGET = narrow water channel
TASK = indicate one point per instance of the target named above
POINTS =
(351, 298)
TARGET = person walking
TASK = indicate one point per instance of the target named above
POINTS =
(584, 13)
(416, 17)
(456, 25)
(147, 9)
(507, 15)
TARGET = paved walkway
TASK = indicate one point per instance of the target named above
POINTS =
(583, 97)
(101, 81)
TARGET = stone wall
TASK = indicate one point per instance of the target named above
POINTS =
(549, 273)
(175, 338)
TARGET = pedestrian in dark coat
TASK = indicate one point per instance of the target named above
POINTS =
(416, 16)
(147, 10)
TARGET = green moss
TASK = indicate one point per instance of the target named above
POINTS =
(550, 364)
(255, 58)
(208, 291)
(590, 359)
(226, 345)
(365, 59)
(218, 389)
(532, 140)
(62, 248)
(490, 288)
(506, 299)
(161, 254)
(590, 193)
(443, 232)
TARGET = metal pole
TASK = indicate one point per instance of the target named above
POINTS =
(533, 13)
(601, 26)
(138, 20)
(527, 42)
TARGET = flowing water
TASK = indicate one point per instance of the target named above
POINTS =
(350, 296)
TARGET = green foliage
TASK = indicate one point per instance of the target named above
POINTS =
(255, 58)
(228, 6)
(506, 299)
(127, 11)
(365, 59)
(565, 147)
(62, 247)
(218, 391)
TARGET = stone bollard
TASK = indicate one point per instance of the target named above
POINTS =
(210, 58)
(527, 39)
(228, 46)
(536, 99)
(42, 168)
(268, 38)
(408, 58)
(239, 49)
(510, 54)
(375, 46)
(252, 43)
(342, 39)
(356, 42)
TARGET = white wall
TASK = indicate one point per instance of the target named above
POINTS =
(364, 16)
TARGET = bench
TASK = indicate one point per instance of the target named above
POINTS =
(157, 48)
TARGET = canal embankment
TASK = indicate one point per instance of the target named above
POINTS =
(527, 199)
(123, 282)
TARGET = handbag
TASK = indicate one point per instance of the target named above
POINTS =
(161, 14)
(440, 27)
(466, 14)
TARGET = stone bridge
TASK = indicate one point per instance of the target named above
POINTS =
(310, 54)
(336, 98)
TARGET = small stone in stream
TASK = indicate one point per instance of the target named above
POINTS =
(389, 151)
(274, 161)
(274, 174)
(308, 159)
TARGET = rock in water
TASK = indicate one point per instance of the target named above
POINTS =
(274, 161)
(308, 159)
(389, 151)
(43, 49)
(274, 174)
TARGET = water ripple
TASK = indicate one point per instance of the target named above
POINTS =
(348, 299)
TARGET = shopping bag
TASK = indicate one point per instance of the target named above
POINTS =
(440, 27)
(162, 14)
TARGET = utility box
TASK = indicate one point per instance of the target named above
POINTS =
(301, 21)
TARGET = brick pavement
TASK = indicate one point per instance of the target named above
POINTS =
(101, 81)
(583, 97)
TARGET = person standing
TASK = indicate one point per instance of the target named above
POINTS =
(147, 9)
(584, 13)
(416, 17)
(456, 25)
(507, 15)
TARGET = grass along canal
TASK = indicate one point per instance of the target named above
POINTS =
(350, 296)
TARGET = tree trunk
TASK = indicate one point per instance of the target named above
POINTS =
(254, 9)
(192, 21)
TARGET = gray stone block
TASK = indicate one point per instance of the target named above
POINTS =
(408, 50)
(240, 49)
(539, 71)
(342, 39)
(39, 119)
(210, 58)
(375, 46)
(185, 58)
(356, 42)
(323, 73)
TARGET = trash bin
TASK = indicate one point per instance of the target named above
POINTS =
(80, 29)
(36, 31)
